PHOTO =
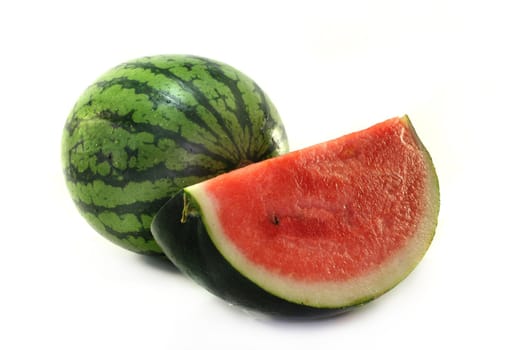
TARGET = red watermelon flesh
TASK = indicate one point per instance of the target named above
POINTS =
(329, 225)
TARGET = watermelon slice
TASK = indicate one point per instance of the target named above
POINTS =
(312, 232)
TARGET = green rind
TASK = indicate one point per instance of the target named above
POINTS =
(152, 126)
(190, 248)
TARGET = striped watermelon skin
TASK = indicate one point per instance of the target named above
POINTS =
(151, 126)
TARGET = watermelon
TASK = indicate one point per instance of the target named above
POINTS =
(151, 126)
(312, 232)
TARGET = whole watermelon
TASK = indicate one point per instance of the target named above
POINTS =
(151, 126)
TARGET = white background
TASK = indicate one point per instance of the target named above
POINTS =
(456, 67)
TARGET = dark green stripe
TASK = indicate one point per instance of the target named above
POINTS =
(159, 97)
(126, 123)
(140, 240)
(147, 210)
(148, 207)
(241, 112)
(153, 172)
(270, 124)
(193, 90)
(267, 152)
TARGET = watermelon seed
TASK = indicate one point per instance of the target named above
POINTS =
(275, 219)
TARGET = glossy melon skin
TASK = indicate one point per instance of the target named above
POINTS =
(189, 247)
(153, 125)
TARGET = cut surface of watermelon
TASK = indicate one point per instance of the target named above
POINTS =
(328, 226)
